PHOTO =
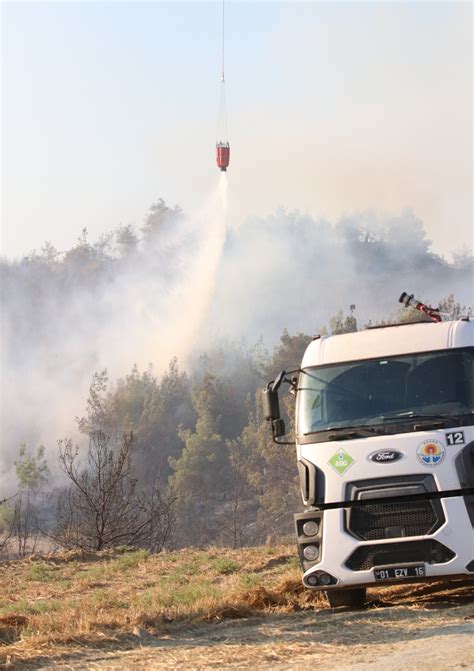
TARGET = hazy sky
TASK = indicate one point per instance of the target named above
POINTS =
(333, 108)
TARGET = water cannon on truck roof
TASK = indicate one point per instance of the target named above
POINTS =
(409, 300)
(384, 436)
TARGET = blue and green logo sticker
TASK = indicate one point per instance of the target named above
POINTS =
(341, 461)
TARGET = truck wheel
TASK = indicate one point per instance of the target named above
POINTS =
(351, 598)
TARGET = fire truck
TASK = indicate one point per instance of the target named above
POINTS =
(384, 435)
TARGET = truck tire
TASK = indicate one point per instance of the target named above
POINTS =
(351, 598)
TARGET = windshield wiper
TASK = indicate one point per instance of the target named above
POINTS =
(408, 416)
(347, 432)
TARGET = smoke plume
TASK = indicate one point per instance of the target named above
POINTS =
(65, 318)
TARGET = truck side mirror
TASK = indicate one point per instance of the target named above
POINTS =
(271, 407)
(271, 404)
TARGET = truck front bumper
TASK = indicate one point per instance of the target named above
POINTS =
(345, 561)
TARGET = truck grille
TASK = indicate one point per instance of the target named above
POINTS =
(377, 520)
(384, 554)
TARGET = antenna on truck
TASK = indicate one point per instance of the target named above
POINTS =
(409, 300)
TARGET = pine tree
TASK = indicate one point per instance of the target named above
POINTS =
(201, 474)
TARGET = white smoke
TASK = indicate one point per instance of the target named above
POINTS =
(192, 284)
(149, 311)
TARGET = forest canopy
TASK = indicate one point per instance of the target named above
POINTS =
(128, 336)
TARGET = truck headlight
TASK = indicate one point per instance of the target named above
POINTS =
(310, 528)
(311, 552)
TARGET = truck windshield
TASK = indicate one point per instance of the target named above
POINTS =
(379, 391)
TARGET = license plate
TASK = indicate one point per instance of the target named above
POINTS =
(399, 572)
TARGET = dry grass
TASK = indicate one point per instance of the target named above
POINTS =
(73, 596)
(88, 599)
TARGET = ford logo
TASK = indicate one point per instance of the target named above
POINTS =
(385, 456)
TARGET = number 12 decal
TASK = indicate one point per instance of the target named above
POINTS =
(455, 438)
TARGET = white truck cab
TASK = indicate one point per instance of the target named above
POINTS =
(385, 452)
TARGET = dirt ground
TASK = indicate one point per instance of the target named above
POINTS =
(413, 629)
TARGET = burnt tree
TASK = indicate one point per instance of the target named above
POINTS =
(104, 505)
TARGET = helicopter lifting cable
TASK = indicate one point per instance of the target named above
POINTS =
(222, 144)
